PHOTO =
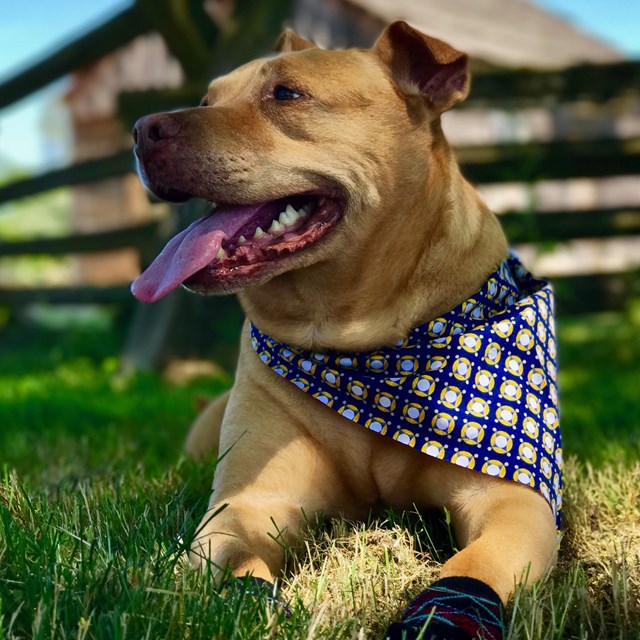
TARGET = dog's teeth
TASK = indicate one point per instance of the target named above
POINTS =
(259, 232)
(276, 227)
(241, 240)
(293, 214)
(289, 216)
(221, 253)
(302, 212)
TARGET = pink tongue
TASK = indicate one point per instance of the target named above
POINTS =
(189, 251)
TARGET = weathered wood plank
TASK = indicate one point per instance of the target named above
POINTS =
(84, 50)
(251, 32)
(187, 30)
(157, 331)
(597, 82)
(554, 160)
(139, 235)
(88, 171)
(498, 89)
(565, 225)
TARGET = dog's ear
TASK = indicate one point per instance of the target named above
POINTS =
(422, 65)
(289, 41)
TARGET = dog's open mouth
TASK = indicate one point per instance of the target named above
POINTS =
(237, 243)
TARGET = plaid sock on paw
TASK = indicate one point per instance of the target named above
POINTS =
(456, 609)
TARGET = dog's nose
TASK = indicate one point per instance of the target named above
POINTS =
(153, 128)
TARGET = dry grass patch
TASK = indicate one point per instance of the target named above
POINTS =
(366, 574)
(363, 574)
(603, 538)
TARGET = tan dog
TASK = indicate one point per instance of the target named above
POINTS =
(388, 235)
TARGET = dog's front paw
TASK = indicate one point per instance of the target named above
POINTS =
(451, 609)
(260, 588)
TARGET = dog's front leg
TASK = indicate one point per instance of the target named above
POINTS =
(507, 534)
(271, 478)
(259, 500)
(204, 436)
(247, 535)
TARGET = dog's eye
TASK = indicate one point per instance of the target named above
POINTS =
(285, 93)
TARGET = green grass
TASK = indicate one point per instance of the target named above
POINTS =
(97, 505)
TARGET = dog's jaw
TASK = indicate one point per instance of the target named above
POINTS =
(257, 254)
(238, 246)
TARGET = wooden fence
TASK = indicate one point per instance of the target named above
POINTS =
(180, 21)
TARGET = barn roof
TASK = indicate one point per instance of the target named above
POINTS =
(503, 32)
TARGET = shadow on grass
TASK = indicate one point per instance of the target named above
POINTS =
(599, 387)
(65, 409)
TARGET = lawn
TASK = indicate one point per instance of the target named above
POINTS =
(97, 504)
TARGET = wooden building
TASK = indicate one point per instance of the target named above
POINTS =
(503, 33)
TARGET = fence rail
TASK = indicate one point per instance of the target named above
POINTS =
(594, 82)
(557, 160)
(528, 226)
(508, 89)
(79, 173)
(139, 236)
(65, 295)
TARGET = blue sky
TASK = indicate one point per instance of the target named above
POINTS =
(30, 28)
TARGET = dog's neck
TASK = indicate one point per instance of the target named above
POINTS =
(427, 250)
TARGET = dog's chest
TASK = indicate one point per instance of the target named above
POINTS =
(476, 387)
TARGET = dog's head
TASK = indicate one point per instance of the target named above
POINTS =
(302, 154)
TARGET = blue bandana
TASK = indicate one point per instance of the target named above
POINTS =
(475, 387)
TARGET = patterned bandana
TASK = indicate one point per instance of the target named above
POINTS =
(475, 387)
